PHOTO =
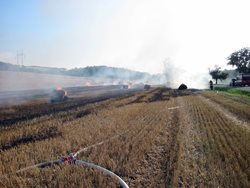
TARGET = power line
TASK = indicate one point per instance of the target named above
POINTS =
(20, 64)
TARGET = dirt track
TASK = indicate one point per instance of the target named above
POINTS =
(168, 138)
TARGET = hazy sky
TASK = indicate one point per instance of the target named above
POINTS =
(136, 34)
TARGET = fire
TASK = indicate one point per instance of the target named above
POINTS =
(87, 83)
(130, 85)
(58, 88)
(58, 95)
(65, 93)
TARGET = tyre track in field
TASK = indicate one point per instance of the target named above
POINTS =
(226, 112)
(156, 168)
(188, 172)
(230, 132)
(218, 133)
(230, 152)
(235, 109)
(220, 144)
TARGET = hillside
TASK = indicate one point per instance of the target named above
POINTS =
(90, 71)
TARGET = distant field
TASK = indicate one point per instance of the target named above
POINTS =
(12, 81)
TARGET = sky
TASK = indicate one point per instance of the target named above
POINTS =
(140, 35)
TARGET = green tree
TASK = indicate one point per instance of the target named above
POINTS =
(217, 74)
(240, 59)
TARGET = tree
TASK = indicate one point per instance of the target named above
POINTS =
(217, 74)
(240, 59)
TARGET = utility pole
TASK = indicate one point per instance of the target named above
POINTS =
(20, 64)
(17, 62)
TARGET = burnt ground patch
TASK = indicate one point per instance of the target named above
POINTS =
(50, 132)
(178, 93)
(28, 112)
(83, 113)
(161, 95)
(158, 94)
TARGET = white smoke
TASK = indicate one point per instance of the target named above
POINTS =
(8, 57)
(175, 76)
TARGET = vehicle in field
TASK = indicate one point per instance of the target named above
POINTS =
(241, 81)
(58, 95)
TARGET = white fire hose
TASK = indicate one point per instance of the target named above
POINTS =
(73, 160)
(84, 163)
(104, 170)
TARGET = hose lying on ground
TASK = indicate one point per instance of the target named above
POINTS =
(104, 170)
(71, 159)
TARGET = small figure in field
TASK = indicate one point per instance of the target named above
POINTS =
(211, 85)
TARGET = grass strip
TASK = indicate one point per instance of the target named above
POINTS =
(234, 91)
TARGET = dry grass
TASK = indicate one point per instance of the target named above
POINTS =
(219, 150)
(193, 145)
(234, 104)
(144, 121)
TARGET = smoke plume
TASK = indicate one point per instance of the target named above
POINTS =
(174, 76)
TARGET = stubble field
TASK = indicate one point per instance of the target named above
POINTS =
(155, 138)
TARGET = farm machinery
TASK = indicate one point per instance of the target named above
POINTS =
(242, 80)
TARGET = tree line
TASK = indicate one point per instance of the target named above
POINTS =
(89, 71)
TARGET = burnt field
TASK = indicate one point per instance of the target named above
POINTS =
(155, 138)
(10, 98)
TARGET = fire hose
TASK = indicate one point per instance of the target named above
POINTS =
(71, 159)
(105, 171)
(80, 162)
